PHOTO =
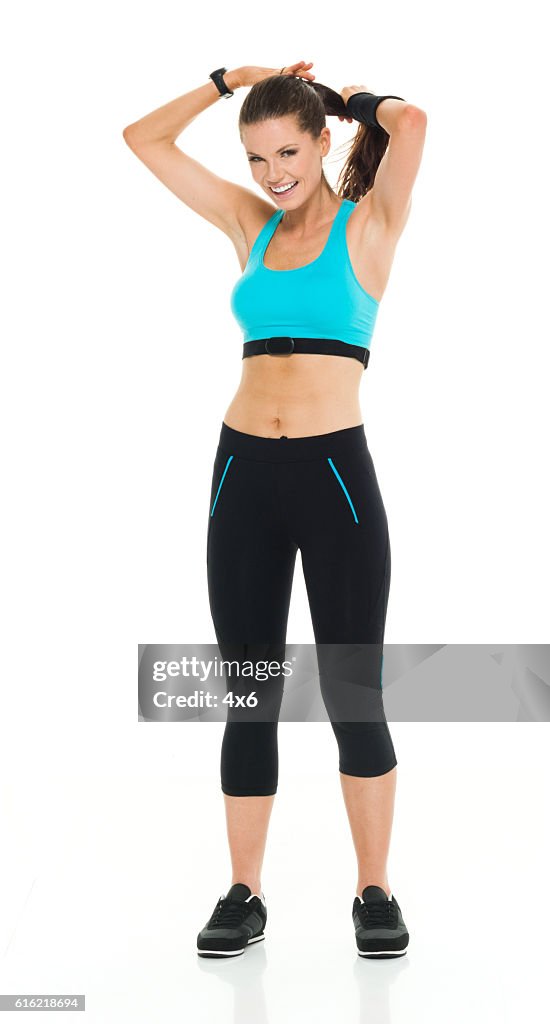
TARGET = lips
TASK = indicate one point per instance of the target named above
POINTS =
(286, 192)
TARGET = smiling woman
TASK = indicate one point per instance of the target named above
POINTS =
(292, 470)
(283, 130)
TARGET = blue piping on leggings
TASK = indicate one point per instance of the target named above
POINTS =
(221, 482)
(342, 484)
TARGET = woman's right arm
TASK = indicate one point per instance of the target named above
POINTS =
(153, 140)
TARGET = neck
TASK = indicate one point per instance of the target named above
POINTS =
(307, 218)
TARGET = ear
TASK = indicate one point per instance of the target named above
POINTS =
(325, 141)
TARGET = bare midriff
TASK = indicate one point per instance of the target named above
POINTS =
(296, 395)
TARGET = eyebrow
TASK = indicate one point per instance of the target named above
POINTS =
(288, 145)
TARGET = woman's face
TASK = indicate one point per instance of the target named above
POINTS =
(279, 154)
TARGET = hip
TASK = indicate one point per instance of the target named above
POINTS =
(314, 488)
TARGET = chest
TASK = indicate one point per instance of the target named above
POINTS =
(369, 247)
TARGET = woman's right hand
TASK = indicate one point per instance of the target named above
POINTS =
(251, 75)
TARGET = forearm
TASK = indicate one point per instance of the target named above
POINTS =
(167, 122)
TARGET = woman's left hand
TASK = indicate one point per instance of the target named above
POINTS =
(348, 91)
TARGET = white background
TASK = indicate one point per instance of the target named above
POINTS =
(119, 359)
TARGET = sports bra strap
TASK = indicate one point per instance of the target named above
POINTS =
(264, 237)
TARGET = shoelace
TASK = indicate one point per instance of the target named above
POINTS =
(229, 913)
(378, 913)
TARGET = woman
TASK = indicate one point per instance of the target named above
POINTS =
(292, 468)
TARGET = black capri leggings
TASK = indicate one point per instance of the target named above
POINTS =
(269, 497)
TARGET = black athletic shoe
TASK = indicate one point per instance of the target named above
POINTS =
(238, 918)
(380, 930)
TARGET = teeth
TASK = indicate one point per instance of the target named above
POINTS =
(284, 188)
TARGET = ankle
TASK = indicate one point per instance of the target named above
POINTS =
(255, 887)
(373, 881)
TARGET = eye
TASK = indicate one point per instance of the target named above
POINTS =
(292, 152)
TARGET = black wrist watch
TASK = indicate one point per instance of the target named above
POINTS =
(217, 78)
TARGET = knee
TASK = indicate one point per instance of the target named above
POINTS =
(365, 748)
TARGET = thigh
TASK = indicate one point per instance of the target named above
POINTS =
(347, 566)
(345, 549)
(250, 557)
(250, 565)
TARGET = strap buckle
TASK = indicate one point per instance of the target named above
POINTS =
(279, 346)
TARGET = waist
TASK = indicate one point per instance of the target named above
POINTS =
(298, 395)
(292, 449)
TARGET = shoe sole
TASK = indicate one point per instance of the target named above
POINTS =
(229, 952)
(383, 954)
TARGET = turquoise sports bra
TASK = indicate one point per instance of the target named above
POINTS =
(321, 299)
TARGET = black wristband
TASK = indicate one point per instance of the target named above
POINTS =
(362, 107)
(220, 83)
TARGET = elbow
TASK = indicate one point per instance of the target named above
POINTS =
(413, 118)
(131, 134)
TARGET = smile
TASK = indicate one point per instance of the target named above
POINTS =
(284, 189)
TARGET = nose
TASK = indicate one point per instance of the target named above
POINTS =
(275, 180)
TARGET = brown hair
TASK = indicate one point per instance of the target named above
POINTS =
(310, 102)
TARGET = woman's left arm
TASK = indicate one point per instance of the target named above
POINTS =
(391, 194)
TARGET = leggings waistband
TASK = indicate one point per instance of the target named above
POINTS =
(291, 449)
